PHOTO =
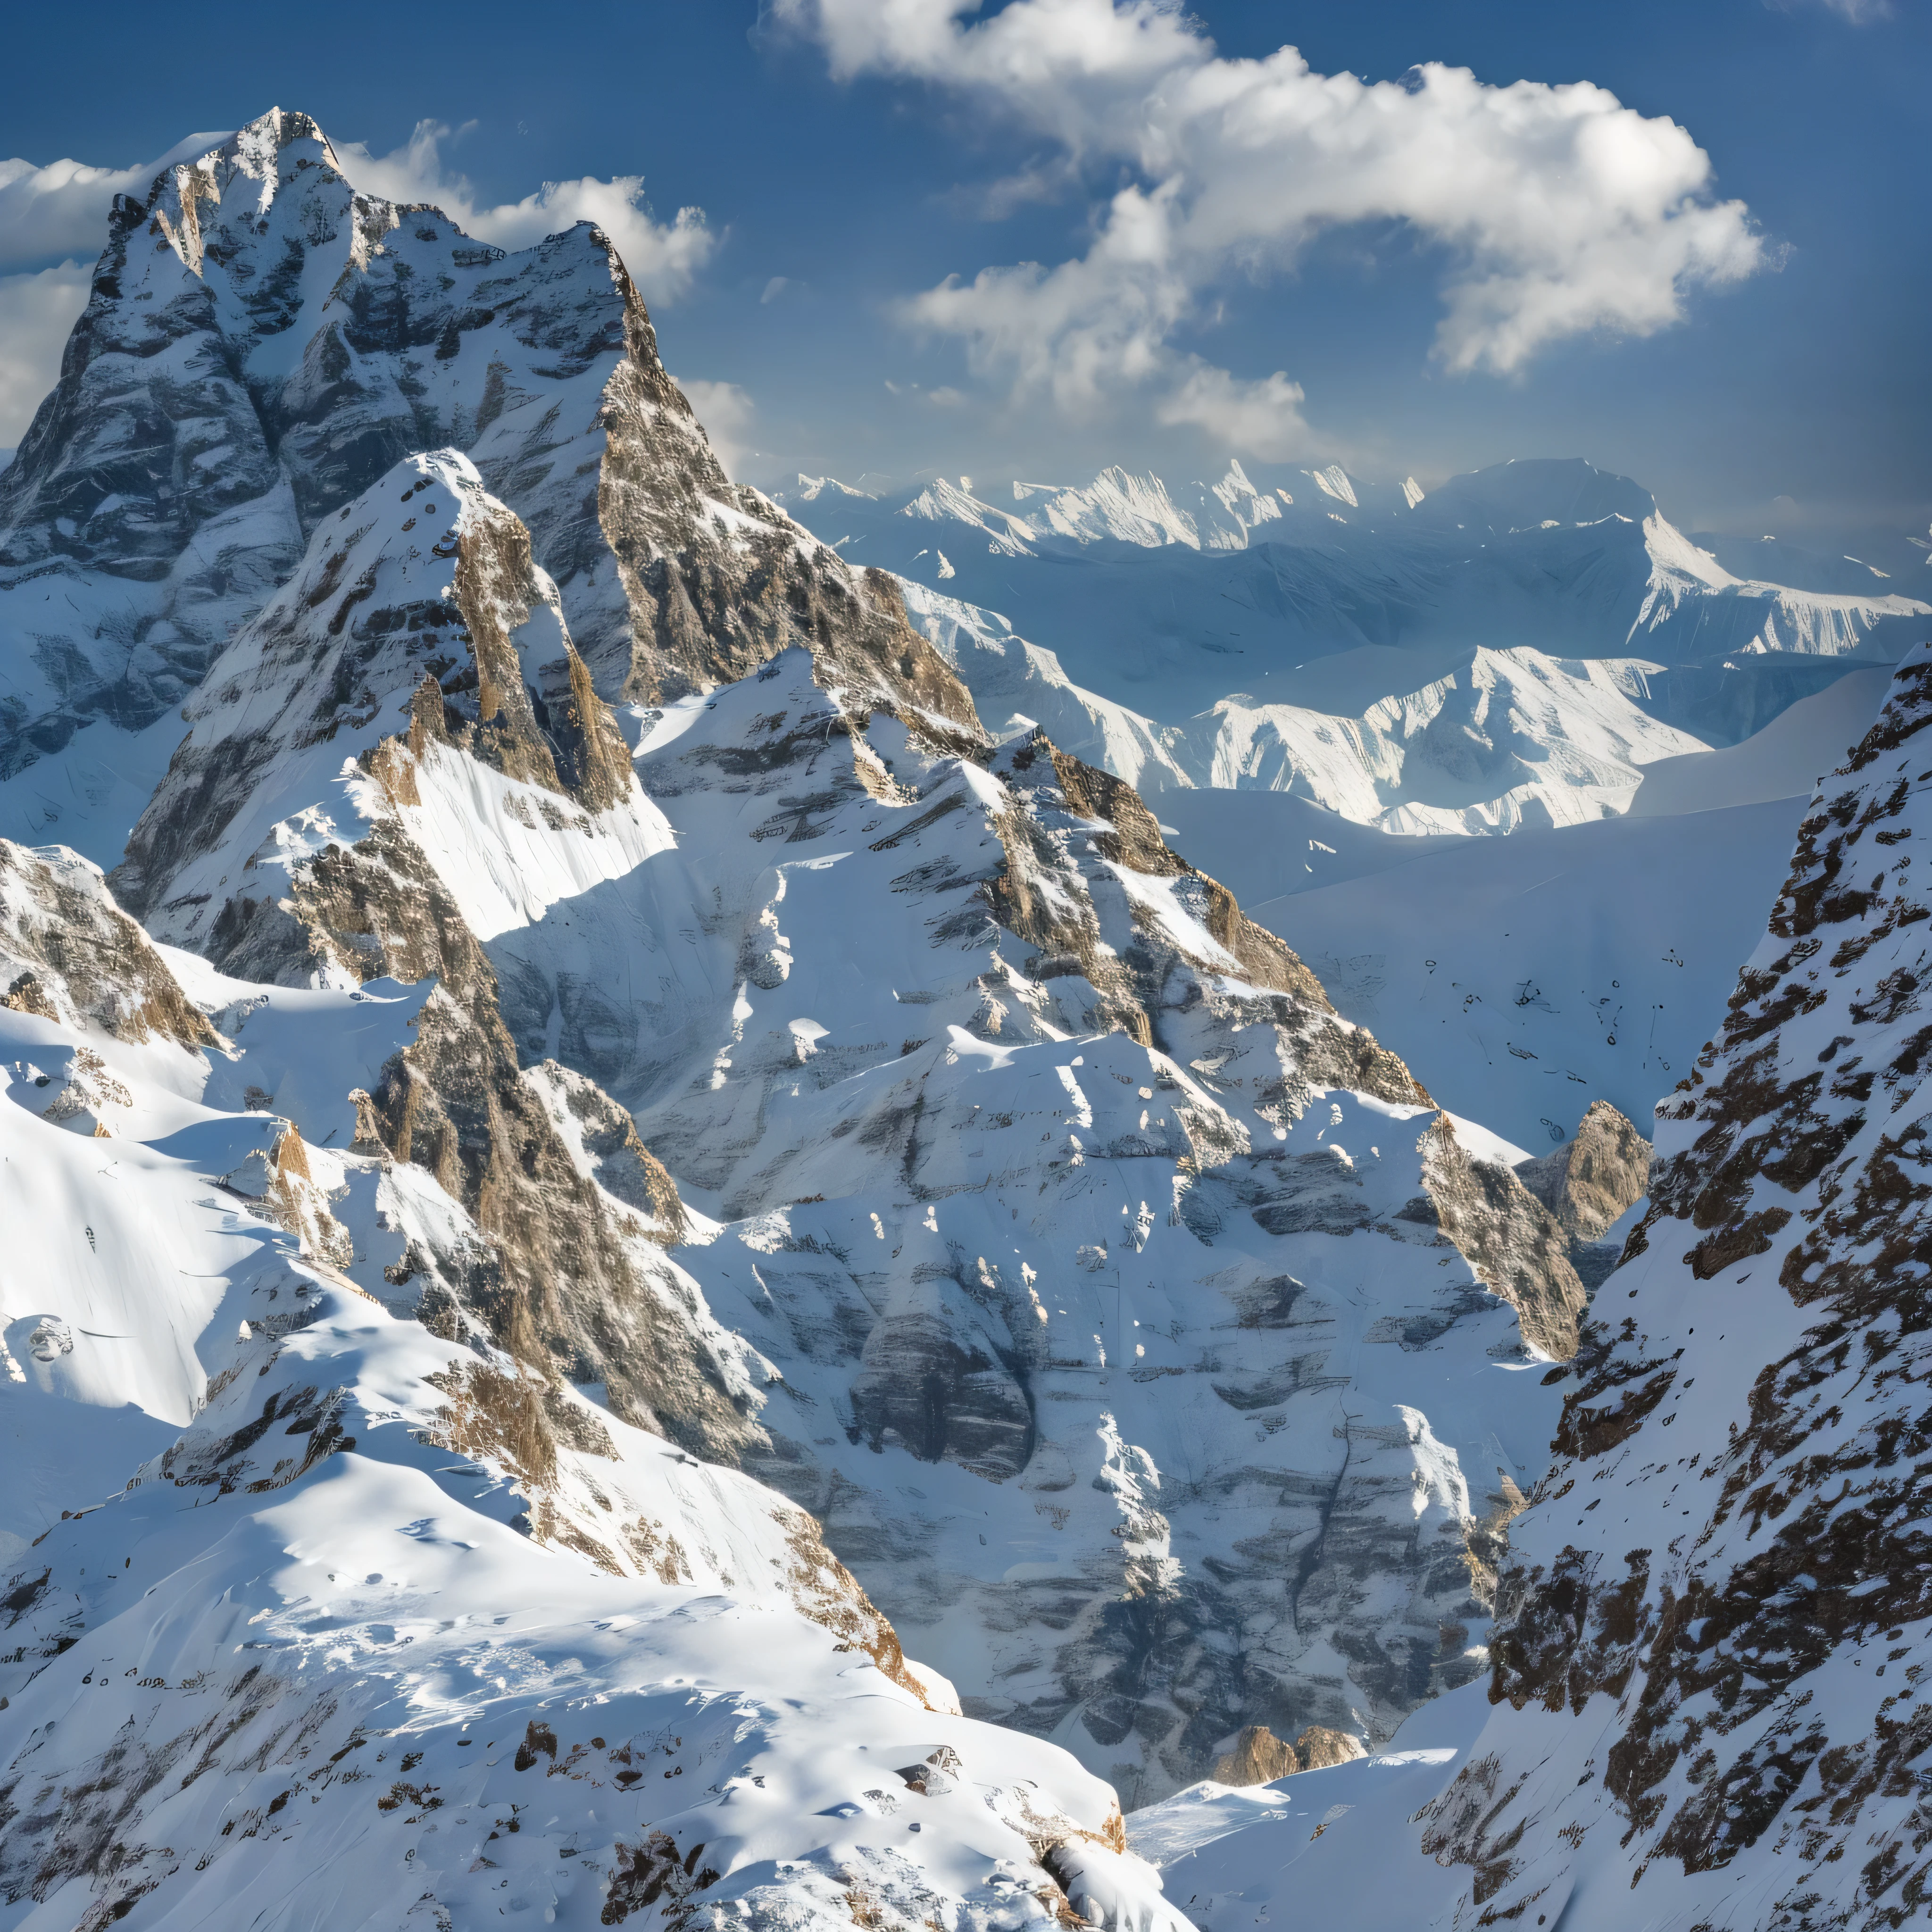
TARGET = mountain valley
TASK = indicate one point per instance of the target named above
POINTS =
(660, 1135)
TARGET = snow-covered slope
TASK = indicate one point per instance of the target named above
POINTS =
(1435, 943)
(1532, 974)
(1227, 515)
(1693, 1697)
(1491, 741)
(310, 1612)
(1702, 1709)
(1512, 738)
(1781, 761)
(1336, 1847)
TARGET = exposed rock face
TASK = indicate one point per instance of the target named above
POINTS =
(1319, 1748)
(1260, 1757)
(68, 954)
(415, 640)
(424, 588)
(1704, 1669)
(262, 342)
(1517, 1248)
(1600, 1172)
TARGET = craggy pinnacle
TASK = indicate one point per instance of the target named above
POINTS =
(256, 304)
(1747, 1407)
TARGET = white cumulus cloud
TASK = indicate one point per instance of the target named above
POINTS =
(36, 312)
(1557, 211)
(61, 209)
(663, 257)
(726, 411)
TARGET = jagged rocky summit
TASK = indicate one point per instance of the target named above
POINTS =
(262, 341)
(615, 1077)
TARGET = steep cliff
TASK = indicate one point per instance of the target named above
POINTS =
(262, 342)
(1713, 1628)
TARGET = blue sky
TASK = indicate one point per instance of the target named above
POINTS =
(1760, 368)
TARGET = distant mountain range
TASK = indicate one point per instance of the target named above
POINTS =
(1167, 601)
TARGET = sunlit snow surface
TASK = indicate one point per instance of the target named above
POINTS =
(295, 1679)
(1335, 1847)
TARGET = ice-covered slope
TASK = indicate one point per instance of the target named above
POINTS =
(1541, 970)
(1435, 943)
(1781, 761)
(1336, 1847)
(1511, 738)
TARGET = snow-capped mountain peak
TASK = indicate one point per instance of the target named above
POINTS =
(1333, 482)
(651, 1117)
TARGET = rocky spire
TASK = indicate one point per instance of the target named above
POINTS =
(1703, 1672)
(262, 341)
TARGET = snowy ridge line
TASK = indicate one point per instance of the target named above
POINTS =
(347, 1652)
(1331, 606)
(1510, 739)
